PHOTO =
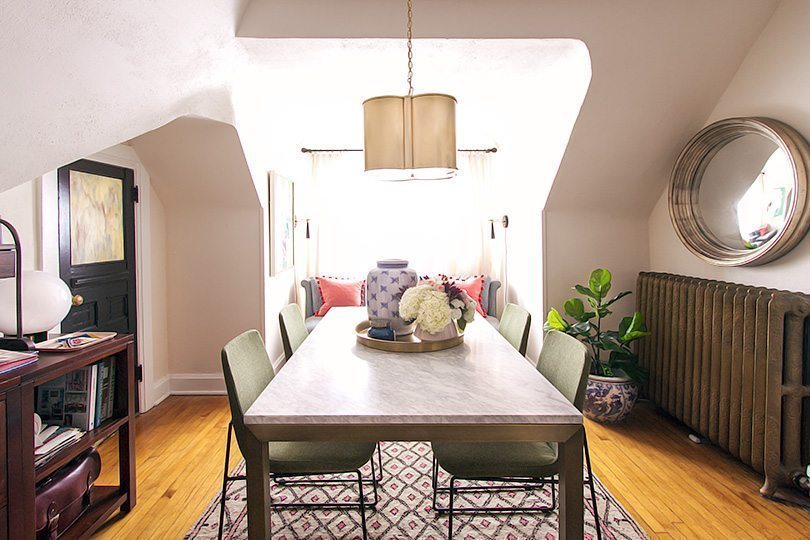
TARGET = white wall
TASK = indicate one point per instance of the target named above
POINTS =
(20, 207)
(773, 81)
(216, 279)
(155, 307)
(213, 280)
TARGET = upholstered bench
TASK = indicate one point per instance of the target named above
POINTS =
(489, 301)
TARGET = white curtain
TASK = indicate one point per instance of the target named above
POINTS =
(439, 226)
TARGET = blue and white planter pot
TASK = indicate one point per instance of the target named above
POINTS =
(383, 286)
(609, 399)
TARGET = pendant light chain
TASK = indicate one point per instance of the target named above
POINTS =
(410, 48)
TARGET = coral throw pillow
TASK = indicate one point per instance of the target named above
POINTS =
(474, 286)
(339, 292)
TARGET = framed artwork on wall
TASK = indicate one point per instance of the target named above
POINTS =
(282, 223)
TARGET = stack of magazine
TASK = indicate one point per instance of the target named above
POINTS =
(51, 439)
(73, 404)
(13, 359)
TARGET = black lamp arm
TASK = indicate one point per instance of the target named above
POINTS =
(17, 272)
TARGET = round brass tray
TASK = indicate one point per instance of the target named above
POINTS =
(408, 343)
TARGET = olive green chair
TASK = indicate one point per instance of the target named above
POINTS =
(293, 333)
(514, 326)
(248, 371)
(293, 329)
(519, 465)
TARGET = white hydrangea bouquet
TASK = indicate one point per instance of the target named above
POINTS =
(434, 306)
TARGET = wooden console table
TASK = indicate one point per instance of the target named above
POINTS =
(18, 477)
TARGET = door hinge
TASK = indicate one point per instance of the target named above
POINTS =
(135, 194)
(139, 373)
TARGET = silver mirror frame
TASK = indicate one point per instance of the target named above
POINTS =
(687, 174)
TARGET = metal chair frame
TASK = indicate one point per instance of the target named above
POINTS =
(512, 484)
(291, 479)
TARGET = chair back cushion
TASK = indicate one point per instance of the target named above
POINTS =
(514, 326)
(339, 292)
(248, 371)
(293, 329)
(564, 362)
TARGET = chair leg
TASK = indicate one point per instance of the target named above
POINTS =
(435, 479)
(450, 508)
(553, 495)
(593, 491)
(374, 484)
(225, 481)
(362, 504)
(379, 460)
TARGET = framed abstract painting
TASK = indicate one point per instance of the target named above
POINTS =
(282, 223)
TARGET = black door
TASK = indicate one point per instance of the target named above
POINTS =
(97, 246)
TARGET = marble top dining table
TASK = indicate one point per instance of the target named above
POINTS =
(334, 388)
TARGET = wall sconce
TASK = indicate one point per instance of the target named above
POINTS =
(305, 220)
(503, 220)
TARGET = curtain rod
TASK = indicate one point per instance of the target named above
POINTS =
(318, 150)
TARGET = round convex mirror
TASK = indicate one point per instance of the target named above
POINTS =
(738, 194)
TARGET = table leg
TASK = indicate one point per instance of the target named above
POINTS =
(257, 461)
(571, 492)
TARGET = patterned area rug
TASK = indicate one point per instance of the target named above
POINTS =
(404, 508)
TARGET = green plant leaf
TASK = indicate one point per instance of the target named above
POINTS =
(632, 336)
(600, 282)
(586, 291)
(622, 355)
(556, 321)
(574, 308)
(633, 330)
(603, 311)
(633, 370)
(583, 327)
(462, 323)
(610, 345)
(594, 303)
(618, 297)
(624, 326)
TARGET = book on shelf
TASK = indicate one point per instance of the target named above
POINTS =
(10, 360)
(83, 398)
(70, 400)
(105, 390)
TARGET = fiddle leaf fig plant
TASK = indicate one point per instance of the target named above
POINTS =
(610, 350)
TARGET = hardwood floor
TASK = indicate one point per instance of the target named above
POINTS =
(678, 489)
(180, 447)
(673, 487)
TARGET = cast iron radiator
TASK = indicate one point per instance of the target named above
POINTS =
(732, 362)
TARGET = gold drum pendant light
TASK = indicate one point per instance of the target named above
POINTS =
(410, 137)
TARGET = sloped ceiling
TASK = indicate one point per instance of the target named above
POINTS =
(79, 76)
(658, 69)
(197, 163)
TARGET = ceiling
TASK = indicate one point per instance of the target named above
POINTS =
(81, 77)
(519, 95)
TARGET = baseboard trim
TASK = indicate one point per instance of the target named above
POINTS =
(197, 384)
(161, 389)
